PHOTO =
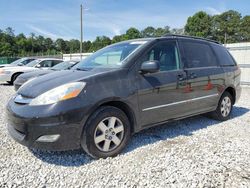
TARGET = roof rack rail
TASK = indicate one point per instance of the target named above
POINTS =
(191, 37)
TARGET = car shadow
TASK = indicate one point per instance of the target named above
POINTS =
(6, 84)
(184, 127)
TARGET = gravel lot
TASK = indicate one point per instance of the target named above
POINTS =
(196, 152)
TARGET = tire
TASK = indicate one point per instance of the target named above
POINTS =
(106, 132)
(14, 77)
(219, 113)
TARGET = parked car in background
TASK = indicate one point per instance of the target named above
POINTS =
(19, 62)
(123, 89)
(34, 74)
(9, 74)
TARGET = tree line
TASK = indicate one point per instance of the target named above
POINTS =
(227, 27)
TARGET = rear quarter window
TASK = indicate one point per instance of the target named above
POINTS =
(55, 62)
(224, 57)
(197, 54)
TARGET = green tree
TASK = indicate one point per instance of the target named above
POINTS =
(132, 33)
(117, 38)
(86, 46)
(48, 43)
(61, 45)
(226, 26)
(245, 29)
(9, 31)
(148, 32)
(199, 25)
(159, 32)
(99, 43)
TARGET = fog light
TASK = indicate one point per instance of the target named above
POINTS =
(48, 138)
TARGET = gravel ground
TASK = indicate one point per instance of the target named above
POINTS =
(196, 152)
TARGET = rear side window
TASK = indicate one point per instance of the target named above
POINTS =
(46, 63)
(224, 56)
(197, 54)
(55, 62)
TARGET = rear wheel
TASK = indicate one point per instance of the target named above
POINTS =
(224, 108)
(106, 133)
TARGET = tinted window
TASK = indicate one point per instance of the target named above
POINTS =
(33, 63)
(55, 62)
(46, 63)
(64, 65)
(197, 54)
(223, 55)
(166, 53)
(27, 61)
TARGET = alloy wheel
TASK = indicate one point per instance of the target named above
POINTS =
(109, 134)
(226, 106)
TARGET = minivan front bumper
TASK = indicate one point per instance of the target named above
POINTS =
(45, 129)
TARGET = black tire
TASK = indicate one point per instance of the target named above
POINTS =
(90, 131)
(218, 113)
(14, 77)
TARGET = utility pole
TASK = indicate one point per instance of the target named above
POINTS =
(225, 39)
(81, 32)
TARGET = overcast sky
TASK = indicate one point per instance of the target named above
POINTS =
(61, 18)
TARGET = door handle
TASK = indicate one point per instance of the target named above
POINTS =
(192, 75)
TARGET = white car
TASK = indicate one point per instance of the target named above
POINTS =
(9, 74)
(19, 62)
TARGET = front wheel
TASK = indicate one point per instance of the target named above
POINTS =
(224, 108)
(106, 133)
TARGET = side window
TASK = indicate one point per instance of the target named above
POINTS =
(25, 62)
(166, 53)
(197, 54)
(29, 60)
(46, 63)
(55, 62)
(224, 56)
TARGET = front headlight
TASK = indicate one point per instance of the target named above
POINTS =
(64, 92)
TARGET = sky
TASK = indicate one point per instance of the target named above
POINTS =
(61, 18)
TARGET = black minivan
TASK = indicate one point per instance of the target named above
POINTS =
(122, 89)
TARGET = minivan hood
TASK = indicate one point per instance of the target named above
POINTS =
(37, 86)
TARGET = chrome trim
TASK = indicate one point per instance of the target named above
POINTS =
(179, 102)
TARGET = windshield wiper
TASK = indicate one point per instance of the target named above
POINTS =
(82, 69)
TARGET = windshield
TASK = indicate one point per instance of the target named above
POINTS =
(64, 65)
(111, 56)
(33, 63)
(18, 61)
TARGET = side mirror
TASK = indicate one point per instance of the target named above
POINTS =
(150, 67)
(38, 66)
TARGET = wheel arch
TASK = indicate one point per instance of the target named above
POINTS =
(13, 75)
(232, 91)
(127, 109)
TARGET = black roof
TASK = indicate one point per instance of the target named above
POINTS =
(190, 37)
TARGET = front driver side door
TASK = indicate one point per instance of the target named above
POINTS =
(160, 94)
